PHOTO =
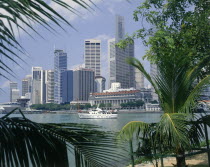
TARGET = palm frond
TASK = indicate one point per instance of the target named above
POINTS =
(23, 142)
(172, 130)
(128, 131)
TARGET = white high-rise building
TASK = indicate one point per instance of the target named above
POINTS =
(15, 95)
(93, 55)
(139, 79)
(153, 73)
(36, 85)
(12, 85)
(119, 70)
(50, 86)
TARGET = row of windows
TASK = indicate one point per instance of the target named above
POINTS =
(92, 43)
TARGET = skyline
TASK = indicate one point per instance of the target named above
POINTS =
(72, 42)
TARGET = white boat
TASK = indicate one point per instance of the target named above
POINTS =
(97, 114)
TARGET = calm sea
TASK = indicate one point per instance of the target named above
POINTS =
(107, 124)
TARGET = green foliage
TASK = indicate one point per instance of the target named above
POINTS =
(57, 107)
(26, 143)
(102, 105)
(154, 102)
(178, 41)
(137, 103)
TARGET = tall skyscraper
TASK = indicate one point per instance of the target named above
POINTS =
(12, 85)
(119, 70)
(139, 79)
(43, 86)
(25, 87)
(67, 86)
(60, 65)
(93, 55)
(153, 73)
(83, 81)
(36, 85)
(15, 95)
(50, 86)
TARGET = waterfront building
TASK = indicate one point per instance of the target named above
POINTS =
(60, 65)
(49, 86)
(116, 95)
(12, 85)
(93, 55)
(99, 84)
(67, 86)
(36, 85)
(83, 81)
(153, 73)
(15, 95)
(139, 79)
(119, 70)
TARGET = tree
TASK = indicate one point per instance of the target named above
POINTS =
(23, 141)
(177, 37)
(177, 93)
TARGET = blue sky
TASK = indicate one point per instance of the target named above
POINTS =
(98, 24)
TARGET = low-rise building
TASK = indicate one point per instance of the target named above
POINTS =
(118, 97)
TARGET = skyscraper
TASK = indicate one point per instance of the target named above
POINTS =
(15, 95)
(153, 73)
(83, 81)
(43, 86)
(12, 85)
(60, 65)
(93, 55)
(25, 87)
(67, 86)
(36, 85)
(139, 79)
(119, 70)
(50, 86)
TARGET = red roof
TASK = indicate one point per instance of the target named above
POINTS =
(117, 93)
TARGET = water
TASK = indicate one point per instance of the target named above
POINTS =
(106, 124)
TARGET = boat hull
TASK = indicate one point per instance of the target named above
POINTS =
(97, 116)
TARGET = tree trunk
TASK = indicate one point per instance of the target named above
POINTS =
(180, 160)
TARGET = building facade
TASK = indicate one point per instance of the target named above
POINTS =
(12, 85)
(93, 55)
(153, 73)
(83, 81)
(60, 65)
(139, 79)
(100, 84)
(15, 95)
(49, 86)
(119, 70)
(25, 87)
(118, 97)
(36, 85)
(67, 86)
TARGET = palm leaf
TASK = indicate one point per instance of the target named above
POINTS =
(25, 143)
(128, 131)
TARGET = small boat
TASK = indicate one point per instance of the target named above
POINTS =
(98, 113)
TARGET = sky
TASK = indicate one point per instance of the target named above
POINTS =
(96, 24)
